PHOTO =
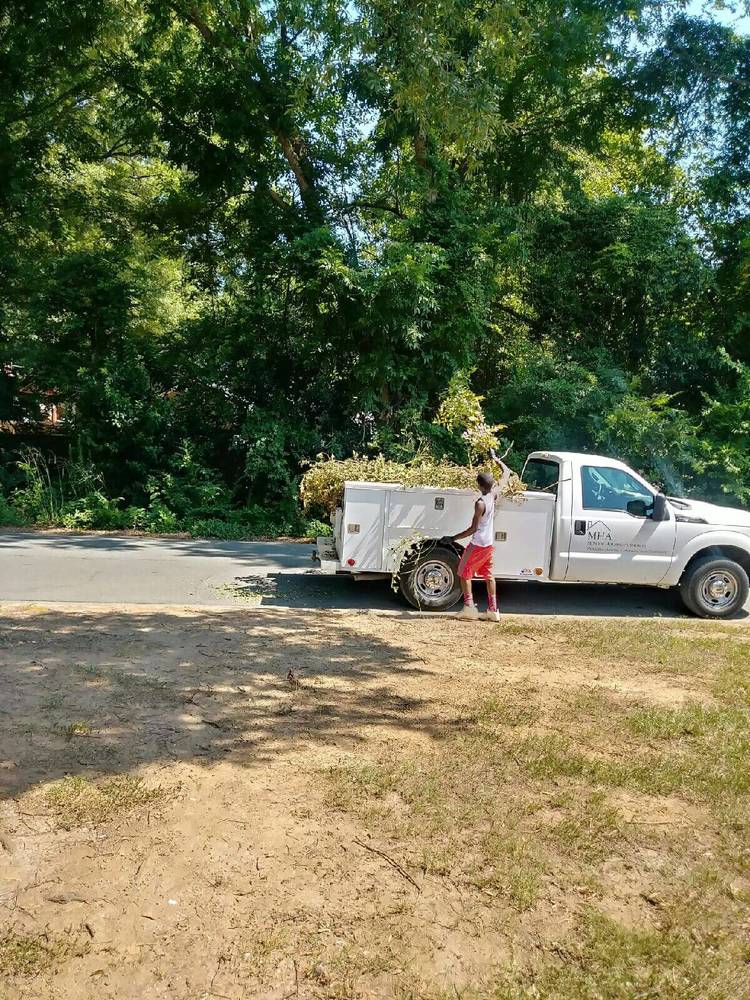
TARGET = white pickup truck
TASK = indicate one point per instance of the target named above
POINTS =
(583, 519)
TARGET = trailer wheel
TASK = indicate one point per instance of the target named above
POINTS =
(714, 587)
(429, 582)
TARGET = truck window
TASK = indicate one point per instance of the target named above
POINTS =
(541, 474)
(610, 489)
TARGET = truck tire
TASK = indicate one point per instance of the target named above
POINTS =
(429, 581)
(714, 587)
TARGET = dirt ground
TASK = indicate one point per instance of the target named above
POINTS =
(277, 804)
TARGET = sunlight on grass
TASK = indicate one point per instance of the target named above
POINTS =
(517, 803)
(611, 962)
(77, 802)
(591, 828)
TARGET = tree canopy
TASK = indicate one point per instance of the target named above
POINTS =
(237, 234)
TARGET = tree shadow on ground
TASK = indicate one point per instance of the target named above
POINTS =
(102, 693)
(286, 554)
(315, 590)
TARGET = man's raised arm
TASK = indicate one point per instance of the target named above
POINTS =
(502, 483)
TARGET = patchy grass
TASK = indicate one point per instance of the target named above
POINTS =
(700, 751)
(513, 710)
(610, 961)
(78, 802)
(591, 828)
(570, 799)
(717, 768)
(263, 946)
(130, 682)
(521, 803)
(679, 650)
(32, 954)
(509, 865)
(455, 815)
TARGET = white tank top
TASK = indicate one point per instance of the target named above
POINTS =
(485, 534)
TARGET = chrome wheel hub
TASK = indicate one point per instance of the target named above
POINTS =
(719, 589)
(433, 580)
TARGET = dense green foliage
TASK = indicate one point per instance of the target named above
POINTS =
(236, 234)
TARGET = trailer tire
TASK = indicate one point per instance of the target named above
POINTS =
(429, 580)
(714, 587)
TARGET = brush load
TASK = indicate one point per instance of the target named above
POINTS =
(322, 486)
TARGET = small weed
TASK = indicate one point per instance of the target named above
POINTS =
(78, 802)
(89, 671)
(31, 954)
(51, 703)
(263, 947)
(75, 729)
(419, 989)
(350, 962)
(130, 682)
(590, 830)
(508, 865)
(439, 859)
(508, 711)
(349, 786)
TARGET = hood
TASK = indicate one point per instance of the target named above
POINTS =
(697, 510)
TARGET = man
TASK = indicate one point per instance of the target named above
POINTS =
(477, 557)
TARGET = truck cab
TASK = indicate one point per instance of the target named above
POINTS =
(582, 519)
(605, 530)
(613, 526)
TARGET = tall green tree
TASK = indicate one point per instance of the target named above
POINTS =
(263, 230)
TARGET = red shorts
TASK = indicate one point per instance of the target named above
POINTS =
(476, 561)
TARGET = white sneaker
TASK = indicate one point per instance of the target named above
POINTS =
(490, 616)
(468, 613)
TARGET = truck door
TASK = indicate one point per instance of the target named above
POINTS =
(609, 545)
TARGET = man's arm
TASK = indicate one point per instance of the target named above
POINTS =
(499, 488)
(478, 511)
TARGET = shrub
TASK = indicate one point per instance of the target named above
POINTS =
(95, 510)
(10, 515)
(188, 488)
(212, 527)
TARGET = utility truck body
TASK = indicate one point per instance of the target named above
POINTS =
(583, 519)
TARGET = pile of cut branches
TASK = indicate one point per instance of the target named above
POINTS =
(322, 485)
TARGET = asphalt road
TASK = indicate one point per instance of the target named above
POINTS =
(92, 569)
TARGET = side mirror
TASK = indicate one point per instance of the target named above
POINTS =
(661, 511)
(637, 508)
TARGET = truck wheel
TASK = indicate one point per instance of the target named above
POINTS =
(430, 580)
(714, 587)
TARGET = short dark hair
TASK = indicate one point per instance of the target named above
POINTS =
(485, 480)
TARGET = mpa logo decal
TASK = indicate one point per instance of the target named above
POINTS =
(598, 532)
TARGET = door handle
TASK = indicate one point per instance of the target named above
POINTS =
(580, 527)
